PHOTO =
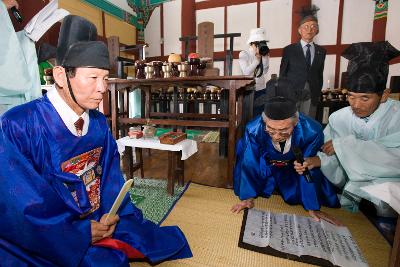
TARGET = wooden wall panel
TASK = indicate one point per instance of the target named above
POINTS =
(76, 7)
(116, 27)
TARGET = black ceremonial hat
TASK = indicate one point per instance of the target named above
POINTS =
(371, 55)
(367, 80)
(77, 45)
(308, 13)
(280, 103)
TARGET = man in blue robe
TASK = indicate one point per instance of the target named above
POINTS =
(61, 173)
(264, 161)
(362, 142)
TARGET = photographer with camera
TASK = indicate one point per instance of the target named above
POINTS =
(255, 62)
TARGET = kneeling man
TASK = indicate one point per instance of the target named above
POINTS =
(265, 158)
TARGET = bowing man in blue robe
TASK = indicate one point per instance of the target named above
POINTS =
(60, 173)
(265, 157)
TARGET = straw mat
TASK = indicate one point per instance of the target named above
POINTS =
(203, 213)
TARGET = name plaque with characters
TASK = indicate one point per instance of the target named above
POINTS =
(299, 238)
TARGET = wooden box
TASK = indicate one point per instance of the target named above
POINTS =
(172, 138)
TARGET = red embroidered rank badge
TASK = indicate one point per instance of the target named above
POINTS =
(87, 167)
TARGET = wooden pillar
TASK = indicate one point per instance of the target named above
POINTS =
(162, 29)
(258, 13)
(297, 5)
(338, 42)
(188, 23)
(379, 30)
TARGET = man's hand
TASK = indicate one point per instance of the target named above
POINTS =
(103, 229)
(328, 148)
(317, 215)
(309, 163)
(248, 203)
(10, 3)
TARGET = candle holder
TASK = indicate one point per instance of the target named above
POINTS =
(140, 65)
(200, 68)
(149, 70)
(167, 71)
(157, 69)
(193, 65)
(48, 76)
(182, 68)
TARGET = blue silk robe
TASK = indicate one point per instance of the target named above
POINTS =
(45, 209)
(260, 168)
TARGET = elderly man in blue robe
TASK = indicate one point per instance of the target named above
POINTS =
(265, 156)
(362, 142)
(61, 173)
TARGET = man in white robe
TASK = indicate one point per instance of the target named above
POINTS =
(362, 142)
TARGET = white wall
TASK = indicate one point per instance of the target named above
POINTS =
(276, 19)
(394, 70)
(241, 18)
(358, 17)
(152, 34)
(216, 16)
(123, 4)
(327, 20)
(274, 65)
(172, 27)
(329, 71)
(393, 24)
(393, 34)
(343, 68)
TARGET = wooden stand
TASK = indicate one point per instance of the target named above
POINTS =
(231, 117)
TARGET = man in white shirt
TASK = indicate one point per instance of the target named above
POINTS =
(303, 64)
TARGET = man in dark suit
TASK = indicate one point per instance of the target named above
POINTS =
(303, 64)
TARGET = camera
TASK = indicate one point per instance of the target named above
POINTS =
(263, 48)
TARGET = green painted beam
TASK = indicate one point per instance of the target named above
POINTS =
(116, 12)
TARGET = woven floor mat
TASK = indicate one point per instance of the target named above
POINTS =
(203, 214)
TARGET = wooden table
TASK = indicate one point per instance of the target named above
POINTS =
(233, 117)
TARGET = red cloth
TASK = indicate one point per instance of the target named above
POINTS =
(129, 251)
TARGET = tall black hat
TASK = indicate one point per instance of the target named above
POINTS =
(308, 13)
(372, 58)
(367, 80)
(280, 103)
(77, 45)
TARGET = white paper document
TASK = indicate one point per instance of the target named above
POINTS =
(302, 236)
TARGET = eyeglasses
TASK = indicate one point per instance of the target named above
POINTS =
(312, 27)
(278, 132)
